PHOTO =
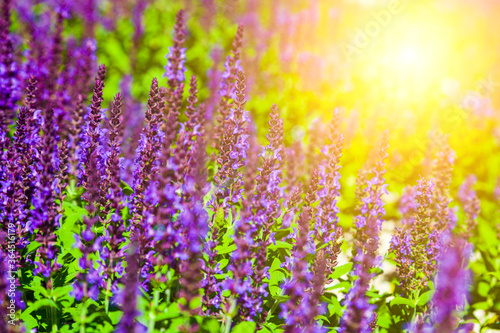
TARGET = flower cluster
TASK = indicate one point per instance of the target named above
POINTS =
(169, 215)
(416, 245)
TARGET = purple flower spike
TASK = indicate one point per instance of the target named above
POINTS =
(359, 314)
(113, 200)
(128, 323)
(325, 227)
(44, 216)
(442, 172)
(146, 169)
(416, 244)
(175, 68)
(10, 81)
(227, 87)
(471, 205)
(93, 129)
(233, 153)
(89, 278)
(452, 283)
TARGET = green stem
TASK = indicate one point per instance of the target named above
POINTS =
(275, 305)
(152, 314)
(83, 317)
(229, 316)
(106, 300)
(167, 291)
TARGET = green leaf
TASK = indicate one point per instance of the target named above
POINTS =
(28, 320)
(334, 306)
(281, 245)
(281, 298)
(220, 221)
(223, 249)
(344, 284)
(210, 325)
(40, 304)
(402, 301)
(340, 271)
(32, 246)
(425, 297)
(115, 316)
(244, 327)
(481, 305)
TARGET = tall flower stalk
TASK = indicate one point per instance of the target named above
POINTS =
(359, 313)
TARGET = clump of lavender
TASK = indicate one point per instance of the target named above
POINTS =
(190, 130)
(416, 244)
(44, 216)
(176, 58)
(240, 284)
(442, 173)
(228, 87)
(470, 204)
(325, 227)
(145, 173)
(114, 228)
(452, 288)
(296, 311)
(359, 314)
(408, 205)
(317, 308)
(174, 72)
(232, 154)
(93, 131)
(228, 192)
(89, 278)
(10, 81)
(194, 219)
(267, 189)
(128, 323)
(266, 204)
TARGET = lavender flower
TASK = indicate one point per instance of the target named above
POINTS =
(112, 252)
(187, 135)
(144, 196)
(359, 314)
(93, 131)
(229, 187)
(128, 323)
(297, 311)
(89, 278)
(416, 245)
(442, 172)
(318, 281)
(194, 219)
(10, 85)
(228, 87)
(266, 204)
(452, 287)
(470, 204)
(408, 205)
(371, 210)
(44, 215)
(240, 285)
(211, 299)
(75, 131)
(175, 68)
(233, 154)
(326, 230)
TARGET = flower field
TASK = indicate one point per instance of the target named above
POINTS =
(249, 166)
